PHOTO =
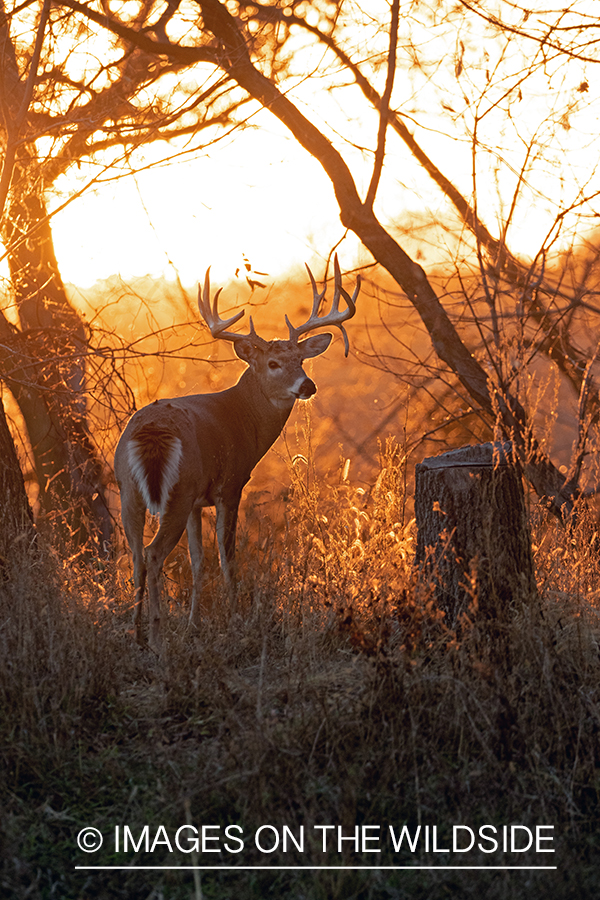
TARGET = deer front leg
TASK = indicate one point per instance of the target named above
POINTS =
(227, 513)
(196, 551)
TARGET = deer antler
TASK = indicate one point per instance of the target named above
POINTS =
(210, 314)
(335, 316)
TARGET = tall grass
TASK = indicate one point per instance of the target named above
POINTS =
(333, 693)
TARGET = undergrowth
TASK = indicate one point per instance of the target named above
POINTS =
(333, 694)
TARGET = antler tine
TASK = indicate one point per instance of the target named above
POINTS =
(314, 314)
(334, 316)
(210, 313)
(350, 301)
(317, 297)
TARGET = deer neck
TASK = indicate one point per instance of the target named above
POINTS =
(267, 420)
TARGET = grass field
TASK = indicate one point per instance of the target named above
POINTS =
(333, 695)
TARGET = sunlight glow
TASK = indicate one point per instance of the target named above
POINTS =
(258, 194)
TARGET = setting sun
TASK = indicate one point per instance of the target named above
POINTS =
(258, 195)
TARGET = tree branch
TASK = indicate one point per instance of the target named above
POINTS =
(13, 124)
(384, 106)
(184, 54)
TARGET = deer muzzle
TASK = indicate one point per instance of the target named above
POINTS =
(306, 389)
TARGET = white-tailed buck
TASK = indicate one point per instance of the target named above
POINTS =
(177, 456)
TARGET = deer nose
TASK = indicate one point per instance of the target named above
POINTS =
(306, 389)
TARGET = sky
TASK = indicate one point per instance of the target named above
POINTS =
(258, 194)
(270, 203)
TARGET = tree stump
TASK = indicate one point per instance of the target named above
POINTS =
(473, 536)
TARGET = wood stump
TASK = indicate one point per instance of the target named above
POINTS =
(473, 536)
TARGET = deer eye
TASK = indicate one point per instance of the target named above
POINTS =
(273, 364)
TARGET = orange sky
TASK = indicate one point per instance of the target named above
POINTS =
(258, 193)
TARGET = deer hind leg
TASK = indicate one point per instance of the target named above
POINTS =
(227, 513)
(133, 514)
(172, 525)
(196, 551)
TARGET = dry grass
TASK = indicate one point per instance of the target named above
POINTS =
(333, 694)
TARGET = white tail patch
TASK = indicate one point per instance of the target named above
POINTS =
(155, 474)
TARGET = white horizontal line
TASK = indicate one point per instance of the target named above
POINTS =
(301, 868)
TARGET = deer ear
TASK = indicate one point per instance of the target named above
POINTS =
(247, 349)
(314, 346)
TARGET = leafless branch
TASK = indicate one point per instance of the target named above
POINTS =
(384, 106)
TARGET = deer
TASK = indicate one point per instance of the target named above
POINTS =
(178, 456)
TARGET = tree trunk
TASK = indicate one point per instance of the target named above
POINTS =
(473, 536)
(43, 360)
(17, 533)
(45, 371)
